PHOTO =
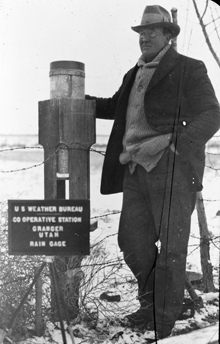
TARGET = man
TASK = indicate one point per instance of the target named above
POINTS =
(164, 113)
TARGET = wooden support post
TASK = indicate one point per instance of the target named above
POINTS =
(38, 306)
(196, 299)
(2, 336)
(174, 18)
(204, 246)
(67, 131)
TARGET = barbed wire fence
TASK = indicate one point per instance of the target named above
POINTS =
(101, 152)
(103, 277)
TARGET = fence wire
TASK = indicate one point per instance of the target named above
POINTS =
(100, 271)
(101, 152)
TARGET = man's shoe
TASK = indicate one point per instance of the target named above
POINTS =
(140, 318)
(161, 333)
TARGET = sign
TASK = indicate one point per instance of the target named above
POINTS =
(49, 227)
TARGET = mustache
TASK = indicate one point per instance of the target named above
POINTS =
(145, 45)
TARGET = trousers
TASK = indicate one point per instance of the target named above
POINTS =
(156, 211)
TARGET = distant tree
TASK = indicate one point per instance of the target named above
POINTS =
(211, 33)
(213, 11)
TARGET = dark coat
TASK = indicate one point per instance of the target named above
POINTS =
(179, 88)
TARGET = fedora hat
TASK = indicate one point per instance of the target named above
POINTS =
(155, 16)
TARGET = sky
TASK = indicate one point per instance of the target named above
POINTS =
(34, 33)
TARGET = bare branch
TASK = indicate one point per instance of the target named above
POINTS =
(207, 2)
(206, 34)
(215, 24)
(212, 21)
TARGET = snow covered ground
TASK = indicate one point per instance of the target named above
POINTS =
(204, 336)
(27, 183)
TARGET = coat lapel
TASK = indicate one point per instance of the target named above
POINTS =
(129, 80)
(167, 63)
(126, 89)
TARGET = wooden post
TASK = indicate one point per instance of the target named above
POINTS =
(204, 246)
(2, 336)
(67, 131)
(38, 306)
(174, 18)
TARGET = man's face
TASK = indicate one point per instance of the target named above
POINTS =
(152, 41)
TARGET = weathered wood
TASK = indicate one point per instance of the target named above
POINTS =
(204, 246)
(174, 18)
(68, 123)
(196, 299)
(67, 131)
(2, 336)
(61, 189)
(38, 306)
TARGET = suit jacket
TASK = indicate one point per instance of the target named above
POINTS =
(179, 99)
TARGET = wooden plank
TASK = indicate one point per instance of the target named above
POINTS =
(50, 170)
(49, 123)
(79, 181)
